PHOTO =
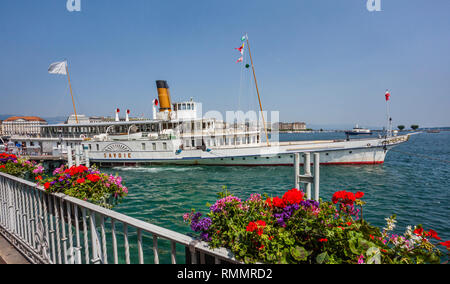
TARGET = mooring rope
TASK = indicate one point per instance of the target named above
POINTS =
(421, 155)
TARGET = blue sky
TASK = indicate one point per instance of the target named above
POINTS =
(318, 61)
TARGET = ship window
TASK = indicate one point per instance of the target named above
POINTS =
(143, 146)
(192, 106)
(154, 146)
(350, 152)
(164, 145)
(189, 106)
(90, 147)
(96, 145)
(183, 107)
(326, 154)
(243, 158)
(256, 158)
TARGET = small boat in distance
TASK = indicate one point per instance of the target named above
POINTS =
(358, 131)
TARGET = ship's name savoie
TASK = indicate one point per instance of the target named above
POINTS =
(117, 155)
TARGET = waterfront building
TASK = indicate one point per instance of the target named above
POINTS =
(22, 125)
(292, 126)
(80, 117)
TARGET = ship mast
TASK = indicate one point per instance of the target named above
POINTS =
(257, 91)
(70, 86)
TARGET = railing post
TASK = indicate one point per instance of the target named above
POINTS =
(316, 175)
(86, 157)
(296, 170)
(69, 156)
(77, 155)
(307, 167)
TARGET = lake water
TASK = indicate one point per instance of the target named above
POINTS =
(415, 186)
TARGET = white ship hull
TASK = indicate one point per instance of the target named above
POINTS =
(361, 151)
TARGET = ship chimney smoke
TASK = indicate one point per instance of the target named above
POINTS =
(163, 95)
(117, 114)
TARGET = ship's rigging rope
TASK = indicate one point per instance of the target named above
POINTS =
(421, 155)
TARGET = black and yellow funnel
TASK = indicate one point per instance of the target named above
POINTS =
(163, 95)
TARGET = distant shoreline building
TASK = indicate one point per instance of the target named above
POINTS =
(22, 125)
(291, 126)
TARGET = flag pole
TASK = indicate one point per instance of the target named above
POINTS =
(388, 126)
(257, 91)
(70, 86)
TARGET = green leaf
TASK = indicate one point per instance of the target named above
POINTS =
(299, 253)
(321, 258)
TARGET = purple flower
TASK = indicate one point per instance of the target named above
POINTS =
(221, 203)
(286, 214)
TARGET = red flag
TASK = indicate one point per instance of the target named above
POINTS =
(387, 95)
(241, 49)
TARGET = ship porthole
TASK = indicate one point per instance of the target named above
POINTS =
(350, 152)
(326, 154)
(368, 144)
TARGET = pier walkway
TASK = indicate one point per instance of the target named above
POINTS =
(9, 254)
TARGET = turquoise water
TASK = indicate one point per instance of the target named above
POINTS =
(409, 185)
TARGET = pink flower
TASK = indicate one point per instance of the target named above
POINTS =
(361, 259)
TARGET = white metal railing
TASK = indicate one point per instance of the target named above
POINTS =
(56, 228)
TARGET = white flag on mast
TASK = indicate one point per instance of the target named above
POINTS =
(58, 68)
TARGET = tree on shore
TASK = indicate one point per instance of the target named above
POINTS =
(414, 126)
(401, 127)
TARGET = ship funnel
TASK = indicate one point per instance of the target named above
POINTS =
(163, 96)
(117, 114)
(127, 118)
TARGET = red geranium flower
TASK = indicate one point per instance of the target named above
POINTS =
(359, 195)
(433, 234)
(257, 226)
(346, 198)
(47, 185)
(418, 231)
(93, 178)
(81, 180)
(293, 196)
(446, 244)
(278, 202)
(251, 227)
(261, 223)
(323, 240)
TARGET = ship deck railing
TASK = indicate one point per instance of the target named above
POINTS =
(53, 228)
